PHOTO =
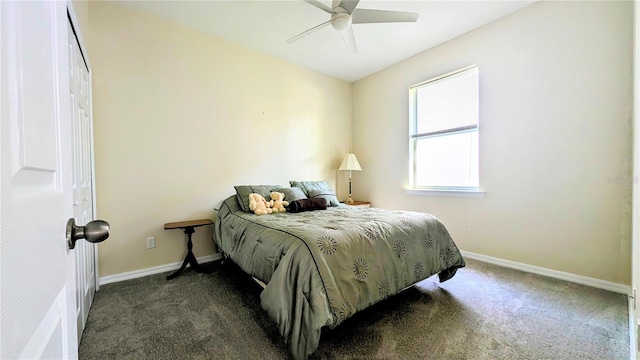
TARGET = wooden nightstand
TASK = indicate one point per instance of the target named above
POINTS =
(360, 204)
(189, 228)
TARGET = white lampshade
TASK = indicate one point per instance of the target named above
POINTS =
(350, 162)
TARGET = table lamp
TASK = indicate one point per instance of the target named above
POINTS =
(350, 163)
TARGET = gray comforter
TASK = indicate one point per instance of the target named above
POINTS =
(322, 266)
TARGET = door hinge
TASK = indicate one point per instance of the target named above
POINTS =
(634, 298)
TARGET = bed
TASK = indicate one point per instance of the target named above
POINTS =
(320, 267)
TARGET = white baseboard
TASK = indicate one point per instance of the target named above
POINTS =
(578, 279)
(153, 270)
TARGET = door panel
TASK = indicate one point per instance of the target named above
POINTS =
(37, 271)
(634, 301)
(80, 92)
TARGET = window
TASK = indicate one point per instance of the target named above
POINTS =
(443, 123)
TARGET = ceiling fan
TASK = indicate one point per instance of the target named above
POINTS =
(344, 13)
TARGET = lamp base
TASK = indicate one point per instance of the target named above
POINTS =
(349, 201)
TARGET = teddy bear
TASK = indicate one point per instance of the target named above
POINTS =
(277, 201)
(259, 205)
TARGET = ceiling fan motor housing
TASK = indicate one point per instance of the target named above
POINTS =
(341, 21)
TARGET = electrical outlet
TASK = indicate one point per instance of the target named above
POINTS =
(151, 242)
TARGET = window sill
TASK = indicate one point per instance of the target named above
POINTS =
(452, 192)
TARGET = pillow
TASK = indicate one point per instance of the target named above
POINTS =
(291, 194)
(328, 195)
(310, 185)
(243, 191)
(307, 205)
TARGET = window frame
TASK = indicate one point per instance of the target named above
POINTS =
(473, 191)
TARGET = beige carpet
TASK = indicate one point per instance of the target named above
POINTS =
(484, 312)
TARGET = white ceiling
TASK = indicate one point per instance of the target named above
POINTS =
(264, 25)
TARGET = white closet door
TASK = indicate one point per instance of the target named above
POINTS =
(80, 94)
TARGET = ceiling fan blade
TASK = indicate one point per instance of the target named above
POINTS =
(310, 31)
(368, 16)
(349, 40)
(320, 5)
(348, 5)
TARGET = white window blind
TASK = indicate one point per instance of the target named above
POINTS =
(444, 131)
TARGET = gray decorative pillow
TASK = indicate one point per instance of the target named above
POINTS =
(328, 195)
(243, 191)
(292, 193)
(310, 185)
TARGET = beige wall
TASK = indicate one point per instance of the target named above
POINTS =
(181, 117)
(81, 10)
(555, 118)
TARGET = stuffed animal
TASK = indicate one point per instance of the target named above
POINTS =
(277, 202)
(259, 205)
